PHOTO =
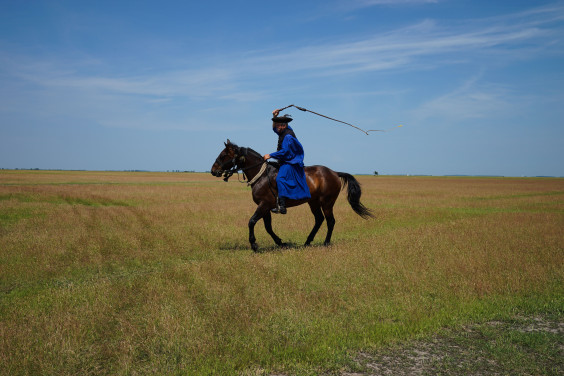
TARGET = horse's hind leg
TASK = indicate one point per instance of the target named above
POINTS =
(316, 210)
(328, 212)
(268, 227)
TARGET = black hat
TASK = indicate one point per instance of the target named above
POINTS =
(282, 119)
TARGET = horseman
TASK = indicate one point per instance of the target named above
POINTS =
(291, 179)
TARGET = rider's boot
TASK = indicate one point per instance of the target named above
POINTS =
(281, 208)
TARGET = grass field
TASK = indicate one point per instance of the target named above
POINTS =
(118, 273)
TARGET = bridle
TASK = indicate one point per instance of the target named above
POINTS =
(239, 158)
(227, 173)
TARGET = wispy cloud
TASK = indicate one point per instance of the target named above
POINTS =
(471, 100)
(248, 77)
(369, 3)
(422, 45)
(404, 48)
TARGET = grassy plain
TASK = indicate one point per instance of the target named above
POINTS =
(130, 273)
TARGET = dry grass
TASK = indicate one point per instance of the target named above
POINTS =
(151, 273)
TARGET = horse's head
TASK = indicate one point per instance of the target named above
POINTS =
(227, 160)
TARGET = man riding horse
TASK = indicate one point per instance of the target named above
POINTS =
(319, 190)
(291, 178)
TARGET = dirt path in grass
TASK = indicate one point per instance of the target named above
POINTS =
(522, 346)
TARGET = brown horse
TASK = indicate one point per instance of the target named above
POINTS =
(324, 186)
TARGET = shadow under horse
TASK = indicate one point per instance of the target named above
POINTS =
(324, 186)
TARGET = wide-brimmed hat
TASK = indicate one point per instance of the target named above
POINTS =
(282, 119)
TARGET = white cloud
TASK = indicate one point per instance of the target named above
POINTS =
(369, 3)
(349, 5)
(404, 48)
(471, 100)
(424, 45)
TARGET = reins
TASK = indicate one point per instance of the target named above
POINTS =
(257, 176)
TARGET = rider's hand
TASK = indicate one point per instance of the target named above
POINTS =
(266, 157)
(275, 112)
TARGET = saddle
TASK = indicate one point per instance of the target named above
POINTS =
(276, 165)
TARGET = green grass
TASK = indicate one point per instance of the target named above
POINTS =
(151, 273)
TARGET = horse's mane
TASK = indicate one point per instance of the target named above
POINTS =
(249, 150)
(256, 154)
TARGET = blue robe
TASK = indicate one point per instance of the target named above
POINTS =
(291, 179)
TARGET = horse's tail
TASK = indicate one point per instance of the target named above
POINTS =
(353, 195)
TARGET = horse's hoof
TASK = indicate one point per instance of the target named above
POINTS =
(255, 247)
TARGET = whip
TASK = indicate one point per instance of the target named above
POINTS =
(340, 121)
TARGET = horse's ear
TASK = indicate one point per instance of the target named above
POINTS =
(228, 142)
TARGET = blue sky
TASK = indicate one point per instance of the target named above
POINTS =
(117, 85)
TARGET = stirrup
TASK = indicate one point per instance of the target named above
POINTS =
(279, 209)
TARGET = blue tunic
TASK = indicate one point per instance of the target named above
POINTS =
(291, 179)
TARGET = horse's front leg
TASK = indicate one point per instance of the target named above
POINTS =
(262, 212)
(252, 222)
(268, 227)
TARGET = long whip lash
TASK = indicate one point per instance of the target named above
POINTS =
(330, 118)
(384, 130)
